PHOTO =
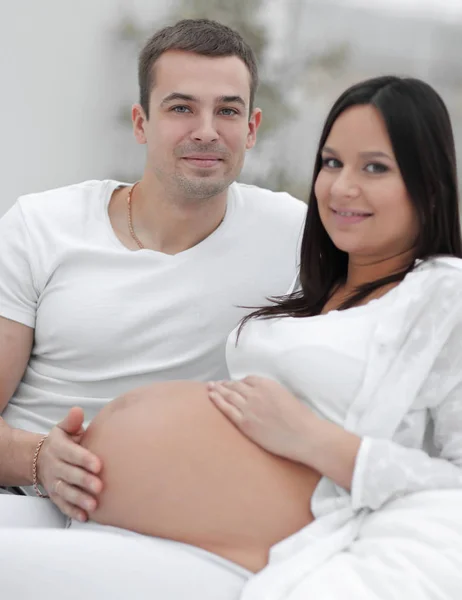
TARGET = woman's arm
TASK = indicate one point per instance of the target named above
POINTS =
(378, 470)
(276, 420)
(385, 469)
(373, 470)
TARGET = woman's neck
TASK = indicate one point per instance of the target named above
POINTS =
(363, 270)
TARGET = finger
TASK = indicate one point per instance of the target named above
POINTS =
(230, 411)
(80, 478)
(212, 384)
(252, 380)
(69, 510)
(73, 421)
(74, 496)
(240, 387)
(231, 395)
(57, 484)
(73, 454)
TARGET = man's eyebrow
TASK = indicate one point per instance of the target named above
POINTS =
(178, 96)
(232, 100)
(188, 98)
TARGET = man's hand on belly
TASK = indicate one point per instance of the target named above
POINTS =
(67, 471)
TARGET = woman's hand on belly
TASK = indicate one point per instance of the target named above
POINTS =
(276, 420)
(266, 412)
(68, 472)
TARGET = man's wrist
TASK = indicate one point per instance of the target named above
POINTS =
(23, 446)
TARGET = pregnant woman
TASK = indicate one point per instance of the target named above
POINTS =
(330, 465)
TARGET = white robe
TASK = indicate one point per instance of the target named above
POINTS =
(399, 533)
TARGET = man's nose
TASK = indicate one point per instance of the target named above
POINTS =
(205, 130)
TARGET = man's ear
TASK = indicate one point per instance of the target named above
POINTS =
(254, 124)
(139, 121)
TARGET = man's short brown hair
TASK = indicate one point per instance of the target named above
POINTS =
(199, 36)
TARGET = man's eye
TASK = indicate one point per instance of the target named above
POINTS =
(180, 109)
(228, 112)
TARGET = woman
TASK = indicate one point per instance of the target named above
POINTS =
(345, 394)
(354, 379)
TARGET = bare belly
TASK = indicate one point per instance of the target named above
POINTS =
(175, 467)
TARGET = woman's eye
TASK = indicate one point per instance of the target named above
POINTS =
(376, 168)
(331, 163)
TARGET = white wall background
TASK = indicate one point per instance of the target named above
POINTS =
(60, 77)
(65, 74)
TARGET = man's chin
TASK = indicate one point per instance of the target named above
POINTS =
(204, 187)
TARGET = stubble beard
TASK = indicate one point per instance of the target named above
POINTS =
(204, 185)
(201, 188)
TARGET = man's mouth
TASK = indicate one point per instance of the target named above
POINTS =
(204, 161)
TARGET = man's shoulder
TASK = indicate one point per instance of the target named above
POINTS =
(69, 208)
(267, 202)
(70, 197)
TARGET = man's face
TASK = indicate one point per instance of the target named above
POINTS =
(199, 125)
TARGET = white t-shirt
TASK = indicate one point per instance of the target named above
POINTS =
(108, 319)
(321, 359)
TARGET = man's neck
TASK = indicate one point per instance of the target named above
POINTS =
(172, 225)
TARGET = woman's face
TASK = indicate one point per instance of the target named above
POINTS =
(362, 200)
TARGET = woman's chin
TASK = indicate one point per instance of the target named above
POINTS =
(352, 248)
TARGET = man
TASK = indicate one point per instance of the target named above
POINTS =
(105, 287)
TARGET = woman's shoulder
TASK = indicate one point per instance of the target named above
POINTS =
(441, 273)
(450, 265)
(432, 289)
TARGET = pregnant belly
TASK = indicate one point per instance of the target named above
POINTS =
(175, 467)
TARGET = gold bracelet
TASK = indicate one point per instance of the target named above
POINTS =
(34, 468)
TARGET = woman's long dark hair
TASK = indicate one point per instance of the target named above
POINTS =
(420, 131)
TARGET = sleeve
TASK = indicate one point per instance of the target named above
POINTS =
(18, 290)
(385, 470)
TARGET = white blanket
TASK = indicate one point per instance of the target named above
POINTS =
(410, 549)
(27, 511)
(63, 564)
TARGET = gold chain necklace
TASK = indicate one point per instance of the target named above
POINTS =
(130, 222)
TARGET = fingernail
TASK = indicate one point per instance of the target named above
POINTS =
(89, 505)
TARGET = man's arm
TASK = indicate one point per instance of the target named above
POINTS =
(16, 447)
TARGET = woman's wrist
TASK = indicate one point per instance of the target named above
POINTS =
(309, 439)
(329, 449)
